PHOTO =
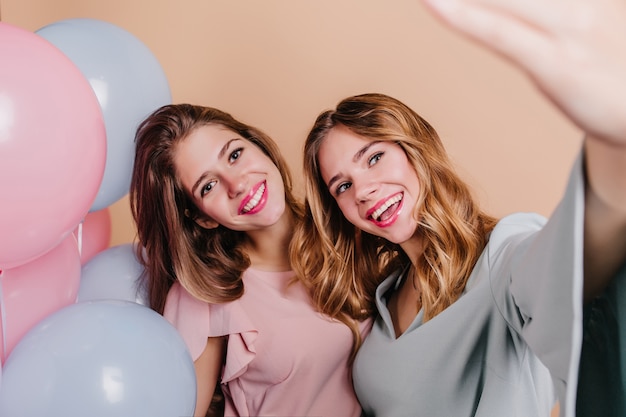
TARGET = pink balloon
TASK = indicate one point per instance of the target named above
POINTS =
(1, 328)
(52, 146)
(93, 234)
(32, 291)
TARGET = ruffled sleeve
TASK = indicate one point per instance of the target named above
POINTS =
(190, 317)
(233, 321)
(197, 320)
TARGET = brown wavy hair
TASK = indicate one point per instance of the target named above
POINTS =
(208, 263)
(342, 264)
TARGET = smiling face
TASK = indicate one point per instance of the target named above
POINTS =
(231, 181)
(373, 183)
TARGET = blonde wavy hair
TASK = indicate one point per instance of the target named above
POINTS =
(342, 265)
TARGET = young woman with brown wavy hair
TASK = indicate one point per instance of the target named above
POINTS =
(476, 316)
(212, 200)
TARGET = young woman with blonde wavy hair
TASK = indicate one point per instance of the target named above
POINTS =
(475, 316)
(452, 226)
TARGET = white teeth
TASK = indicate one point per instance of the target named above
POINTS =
(385, 206)
(255, 199)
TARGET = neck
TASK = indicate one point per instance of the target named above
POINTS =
(414, 248)
(268, 248)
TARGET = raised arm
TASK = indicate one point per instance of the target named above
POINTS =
(575, 53)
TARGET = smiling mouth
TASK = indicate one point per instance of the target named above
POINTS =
(386, 210)
(254, 201)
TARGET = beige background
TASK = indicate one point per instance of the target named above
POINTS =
(277, 63)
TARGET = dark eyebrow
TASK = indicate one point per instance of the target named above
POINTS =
(358, 155)
(220, 155)
(364, 149)
(225, 147)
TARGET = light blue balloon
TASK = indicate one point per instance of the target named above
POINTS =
(129, 83)
(113, 274)
(99, 359)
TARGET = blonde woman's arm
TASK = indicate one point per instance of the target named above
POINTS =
(575, 53)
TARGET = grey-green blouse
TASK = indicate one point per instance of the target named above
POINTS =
(509, 346)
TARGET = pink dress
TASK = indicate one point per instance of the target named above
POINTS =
(283, 358)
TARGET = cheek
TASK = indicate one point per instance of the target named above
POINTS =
(278, 203)
(406, 174)
(210, 209)
(350, 212)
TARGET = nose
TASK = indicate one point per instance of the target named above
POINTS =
(364, 190)
(235, 184)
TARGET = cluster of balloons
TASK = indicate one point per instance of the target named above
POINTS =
(76, 336)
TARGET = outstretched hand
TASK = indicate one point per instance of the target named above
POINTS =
(573, 50)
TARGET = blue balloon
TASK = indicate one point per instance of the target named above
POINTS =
(129, 84)
(99, 359)
(113, 274)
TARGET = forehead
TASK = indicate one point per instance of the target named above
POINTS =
(338, 149)
(201, 142)
(200, 150)
(338, 142)
(206, 136)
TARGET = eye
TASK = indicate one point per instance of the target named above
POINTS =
(234, 155)
(342, 187)
(207, 187)
(375, 158)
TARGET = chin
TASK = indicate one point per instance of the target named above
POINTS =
(399, 239)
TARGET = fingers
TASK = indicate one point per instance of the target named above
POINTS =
(535, 13)
(573, 50)
(517, 39)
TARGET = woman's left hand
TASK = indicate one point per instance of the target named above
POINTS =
(573, 50)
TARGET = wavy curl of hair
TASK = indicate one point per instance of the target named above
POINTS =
(344, 265)
(208, 263)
